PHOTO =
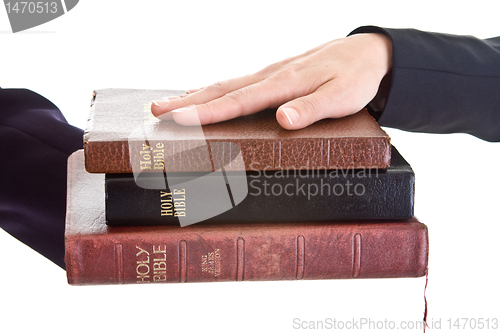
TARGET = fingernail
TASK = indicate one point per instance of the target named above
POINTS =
(187, 116)
(160, 102)
(170, 98)
(292, 115)
(169, 115)
(180, 110)
(165, 116)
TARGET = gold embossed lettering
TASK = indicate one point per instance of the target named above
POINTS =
(159, 156)
(204, 263)
(159, 266)
(145, 160)
(159, 278)
(179, 197)
(211, 263)
(142, 268)
(151, 267)
(141, 251)
(166, 206)
(160, 263)
(182, 191)
(159, 249)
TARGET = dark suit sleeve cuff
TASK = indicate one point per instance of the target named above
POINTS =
(442, 83)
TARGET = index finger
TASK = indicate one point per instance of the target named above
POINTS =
(262, 95)
(203, 95)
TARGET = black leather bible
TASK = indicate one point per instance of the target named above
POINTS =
(289, 195)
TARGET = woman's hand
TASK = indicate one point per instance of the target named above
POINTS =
(333, 80)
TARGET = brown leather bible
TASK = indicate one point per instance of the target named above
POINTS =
(122, 136)
(99, 254)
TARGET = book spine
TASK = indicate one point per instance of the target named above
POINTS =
(272, 196)
(124, 156)
(259, 252)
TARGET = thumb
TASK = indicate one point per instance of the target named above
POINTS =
(325, 102)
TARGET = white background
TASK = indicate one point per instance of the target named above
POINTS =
(183, 45)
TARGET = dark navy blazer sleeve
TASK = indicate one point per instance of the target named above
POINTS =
(35, 142)
(442, 83)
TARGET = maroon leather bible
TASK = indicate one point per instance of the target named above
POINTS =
(99, 254)
(122, 136)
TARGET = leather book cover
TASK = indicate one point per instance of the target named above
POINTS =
(272, 196)
(100, 254)
(123, 136)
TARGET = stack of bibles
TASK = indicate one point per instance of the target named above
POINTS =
(150, 201)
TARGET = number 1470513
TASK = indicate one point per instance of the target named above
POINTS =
(473, 323)
(25, 7)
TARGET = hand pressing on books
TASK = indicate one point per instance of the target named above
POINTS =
(333, 80)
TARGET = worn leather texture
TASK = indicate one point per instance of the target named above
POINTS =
(100, 254)
(277, 196)
(120, 122)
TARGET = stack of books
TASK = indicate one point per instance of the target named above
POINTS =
(150, 201)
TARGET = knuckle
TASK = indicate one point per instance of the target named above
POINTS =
(271, 69)
(236, 97)
(206, 112)
(185, 100)
(218, 87)
(289, 74)
(310, 106)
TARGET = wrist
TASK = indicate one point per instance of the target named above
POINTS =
(384, 44)
(381, 40)
(378, 52)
